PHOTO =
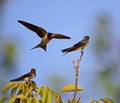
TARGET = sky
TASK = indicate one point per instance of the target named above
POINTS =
(74, 18)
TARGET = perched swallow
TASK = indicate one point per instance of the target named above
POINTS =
(42, 33)
(26, 77)
(78, 46)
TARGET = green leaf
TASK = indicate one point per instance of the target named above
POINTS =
(8, 86)
(70, 87)
(106, 100)
(2, 99)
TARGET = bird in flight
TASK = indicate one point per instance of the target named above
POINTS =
(42, 33)
(78, 46)
(26, 77)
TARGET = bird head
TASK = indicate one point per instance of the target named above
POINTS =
(86, 38)
(33, 70)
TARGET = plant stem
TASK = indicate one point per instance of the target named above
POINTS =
(76, 67)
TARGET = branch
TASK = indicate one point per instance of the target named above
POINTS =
(76, 67)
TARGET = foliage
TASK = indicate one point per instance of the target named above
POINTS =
(71, 87)
(29, 92)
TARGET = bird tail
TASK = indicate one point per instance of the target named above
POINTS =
(38, 46)
(67, 50)
(17, 79)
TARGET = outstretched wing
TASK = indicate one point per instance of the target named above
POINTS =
(60, 36)
(40, 31)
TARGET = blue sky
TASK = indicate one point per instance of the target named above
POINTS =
(74, 18)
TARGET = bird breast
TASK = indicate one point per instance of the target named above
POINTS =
(45, 40)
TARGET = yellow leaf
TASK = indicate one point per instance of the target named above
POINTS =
(95, 101)
(44, 94)
(70, 87)
(29, 100)
(21, 97)
(23, 88)
(39, 90)
(75, 101)
(2, 99)
(49, 98)
(106, 100)
(35, 100)
(8, 86)
(33, 84)
(56, 96)
(13, 91)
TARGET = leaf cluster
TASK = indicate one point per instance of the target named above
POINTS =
(28, 92)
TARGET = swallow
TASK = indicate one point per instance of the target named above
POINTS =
(42, 33)
(78, 46)
(26, 77)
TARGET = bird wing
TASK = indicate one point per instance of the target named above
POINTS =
(39, 30)
(80, 44)
(60, 36)
(68, 49)
(21, 78)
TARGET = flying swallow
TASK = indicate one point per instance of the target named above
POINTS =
(42, 33)
(26, 77)
(78, 46)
